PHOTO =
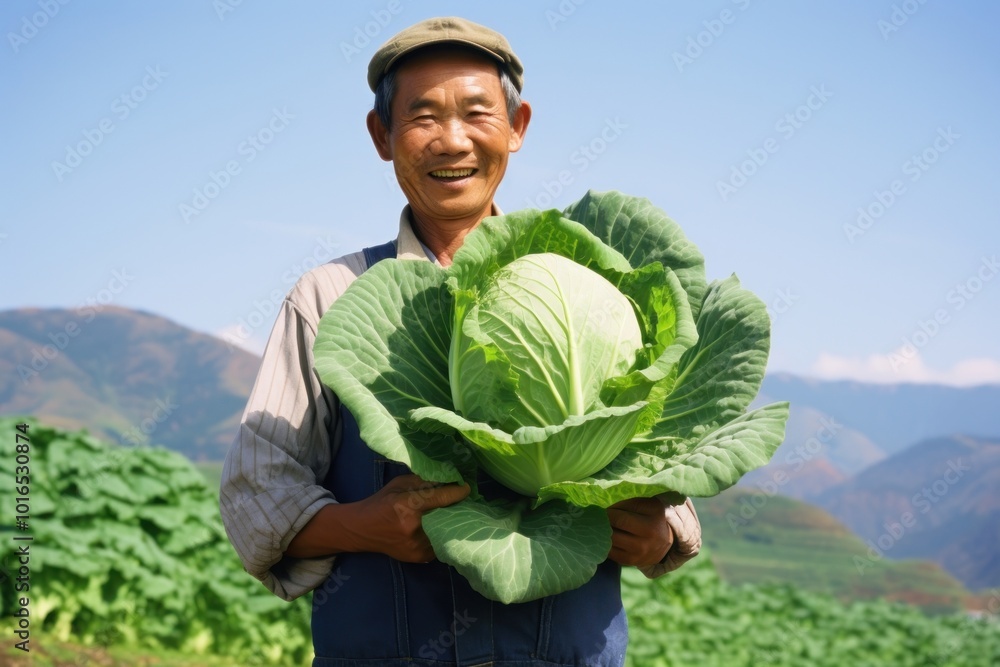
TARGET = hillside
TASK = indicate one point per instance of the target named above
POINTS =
(759, 539)
(893, 417)
(937, 500)
(819, 452)
(128, 376)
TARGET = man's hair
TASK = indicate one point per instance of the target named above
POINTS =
(386, 90)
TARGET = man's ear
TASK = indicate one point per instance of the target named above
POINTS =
(380, 136)
(519, 127)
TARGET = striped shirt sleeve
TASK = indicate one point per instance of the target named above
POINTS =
(272, 477)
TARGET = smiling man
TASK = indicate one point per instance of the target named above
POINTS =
(309, 507)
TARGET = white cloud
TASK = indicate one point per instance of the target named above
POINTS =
(905, 365)
(233, 335)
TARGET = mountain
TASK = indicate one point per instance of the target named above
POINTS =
(818, 453)
(128, 376)
(893, 417)
(758, 538)
(837, 429)
(937, 500)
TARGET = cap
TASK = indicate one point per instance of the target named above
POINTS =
(446, 29)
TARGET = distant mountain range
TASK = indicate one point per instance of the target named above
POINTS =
(133, 377)
(938, 500)
(893, 416)
(128, 376)
(870, 454)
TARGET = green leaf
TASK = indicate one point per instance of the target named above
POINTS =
(528, 459)
(514, 554)
(720, 375)
(382, 347)
(643, 234)
(663, 305)
(553, 330)
(703, 467)
(498, 241)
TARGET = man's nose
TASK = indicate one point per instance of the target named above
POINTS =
(453, 138)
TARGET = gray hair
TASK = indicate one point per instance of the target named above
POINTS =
(386, 90)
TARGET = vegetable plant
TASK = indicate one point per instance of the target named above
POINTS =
(129, 550)
(578, 358)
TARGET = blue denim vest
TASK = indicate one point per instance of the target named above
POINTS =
(374, 610)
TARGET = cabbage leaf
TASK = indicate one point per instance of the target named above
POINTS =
(578, 358)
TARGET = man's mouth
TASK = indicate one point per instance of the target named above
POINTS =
(452, 174)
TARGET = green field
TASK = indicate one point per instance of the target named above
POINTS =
(137, 571)
(64, 654)
(787, 541)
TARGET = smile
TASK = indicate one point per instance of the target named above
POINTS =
(452, 173)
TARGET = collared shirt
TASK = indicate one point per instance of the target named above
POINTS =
(272, 477)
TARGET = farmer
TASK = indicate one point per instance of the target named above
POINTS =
(308, 506)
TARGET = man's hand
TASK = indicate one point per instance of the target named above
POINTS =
(390, 519)
(387, 522)
(640, 534)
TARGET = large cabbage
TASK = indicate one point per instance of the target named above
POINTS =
(579, 358)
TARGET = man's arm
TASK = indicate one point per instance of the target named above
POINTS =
(387, 522)
(271, 481)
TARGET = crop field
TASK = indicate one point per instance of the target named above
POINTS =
(136, 570)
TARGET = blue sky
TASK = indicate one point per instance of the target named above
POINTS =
(760, 127)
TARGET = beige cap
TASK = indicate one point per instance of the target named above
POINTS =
(443, 30)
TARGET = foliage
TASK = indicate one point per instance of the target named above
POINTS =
(129, 549)
(142, 562)
(579, 358)
(692, 617)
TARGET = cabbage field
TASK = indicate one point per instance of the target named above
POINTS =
(129, 553)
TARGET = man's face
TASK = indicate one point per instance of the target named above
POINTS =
(450, 136)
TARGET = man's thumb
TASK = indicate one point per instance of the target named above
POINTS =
(445, 495)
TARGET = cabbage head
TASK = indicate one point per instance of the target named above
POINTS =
(578, 358)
